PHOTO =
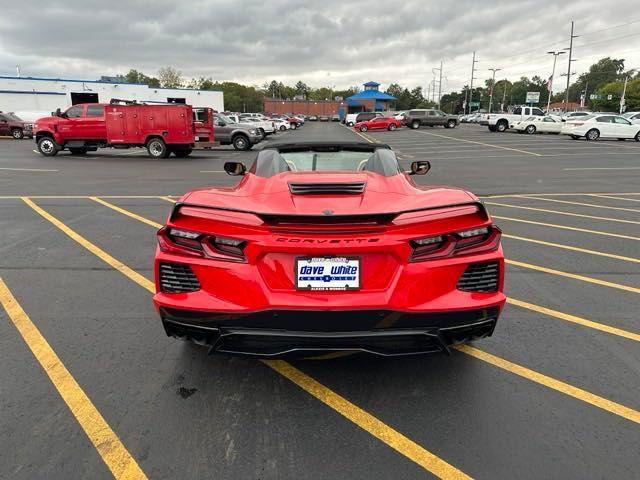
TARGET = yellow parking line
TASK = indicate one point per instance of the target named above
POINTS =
(574, 276)
(617, 198)
(575, 319)
(366, 137)
(549, 382)
(388, 436)
(576, 194)
(368, 422)
(558, 212)
(572, 248)
(113, 452)
(594, 205)
(126, 212)
(564, 227)
(364, 420)
(482, 143)
(167, 199)
(97, 251)
(68, 197)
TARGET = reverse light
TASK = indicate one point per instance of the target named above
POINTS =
(475, 240)
(474, 232)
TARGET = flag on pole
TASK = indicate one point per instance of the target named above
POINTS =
(549, 83)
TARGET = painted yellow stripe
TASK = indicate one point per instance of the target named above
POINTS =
(532, 375)
(564, 227)
(360, 134)
(557, 385)
(483, 144)
(572, 248)
(574, 276)
(167, 199)
(575, 319)
(64, 197)
(558, 212)
(368, 422)
(576, 194)
(616, 198)
(126, 212)
(97, 251)
(114, 454)
(594, 205)
(358, 416)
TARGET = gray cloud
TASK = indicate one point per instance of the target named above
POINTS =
(331, 42)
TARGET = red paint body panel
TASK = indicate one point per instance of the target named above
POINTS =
(379, 123)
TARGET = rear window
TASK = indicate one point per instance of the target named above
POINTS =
(95, 111)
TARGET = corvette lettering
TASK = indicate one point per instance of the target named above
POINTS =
(328, 241)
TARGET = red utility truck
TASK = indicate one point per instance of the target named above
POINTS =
(161, 129)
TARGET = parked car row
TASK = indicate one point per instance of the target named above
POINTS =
(414, 119)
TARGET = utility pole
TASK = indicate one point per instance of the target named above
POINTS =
(624, 91)
(504, 93)
(566, 94)
(553, 72)
(493, 84)
(473, 69)
(440, 86)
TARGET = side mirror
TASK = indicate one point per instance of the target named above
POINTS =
(235, 168)
(58, 112)
(420, 167)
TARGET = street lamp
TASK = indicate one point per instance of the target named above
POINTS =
(493, 84)
(553, 72)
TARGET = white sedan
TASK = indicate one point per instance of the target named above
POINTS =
(596, 126)
(538, 124)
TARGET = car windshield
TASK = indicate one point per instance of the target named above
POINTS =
(226, 119)
(326, 159)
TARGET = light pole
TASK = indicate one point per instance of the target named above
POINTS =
(473, 69)
(553, 72)
(566, 95)
(493, 84)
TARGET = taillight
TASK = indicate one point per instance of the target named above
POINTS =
(187, 242)
(482, 239)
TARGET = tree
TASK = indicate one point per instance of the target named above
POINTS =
(302, 88)
(134, 76)
(170, 77)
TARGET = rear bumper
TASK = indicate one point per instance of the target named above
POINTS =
(271, 333)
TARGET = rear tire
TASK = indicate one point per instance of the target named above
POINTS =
(415, 124)
(157, 148)
(637, 137)
(531, 129)
(501, 126)
(392, 127)
(48, 147)
(78, 151)
(592, 134)
(282, 128)
(492, 128)
(350, 124)
(17, 133)
(451, 124)
(363, 128)
(294, 126)
(262, 133)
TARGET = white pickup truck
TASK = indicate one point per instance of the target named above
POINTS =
(500, 122)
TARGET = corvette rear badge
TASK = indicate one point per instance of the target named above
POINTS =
(327, 212)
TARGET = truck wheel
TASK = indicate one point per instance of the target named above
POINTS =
(531, 129)
(241, 142)
(182, 152)
(592, 134)
(157, 148)
(78, 151)
(48, 147)
(492, 128)
(415, 124)
(451, 124)
(17, 133)
(637, 137)
(501, 126)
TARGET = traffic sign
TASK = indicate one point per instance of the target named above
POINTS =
(533, 97)
(474, 104)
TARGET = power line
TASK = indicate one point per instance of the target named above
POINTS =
(608, 40)
(609, 28)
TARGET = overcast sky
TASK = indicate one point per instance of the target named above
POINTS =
(324, 43)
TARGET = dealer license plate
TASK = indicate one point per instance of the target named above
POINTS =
(327, 273)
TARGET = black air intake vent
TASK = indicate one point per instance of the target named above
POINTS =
(177, 278)
(353, 188)
(480, 277)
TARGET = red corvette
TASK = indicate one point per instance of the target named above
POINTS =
(329, 247)
(378, 123)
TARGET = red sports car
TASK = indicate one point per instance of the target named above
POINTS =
(329, 247)
(378, 123)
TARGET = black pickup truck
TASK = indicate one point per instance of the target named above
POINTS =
(429, 117)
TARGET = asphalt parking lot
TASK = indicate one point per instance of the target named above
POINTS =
(92, 388)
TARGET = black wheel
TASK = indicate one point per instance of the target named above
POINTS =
(415, 124)
(592, 134)
(531, 129)
(621, 139)
(637, 137)
(294, 126)
(363, 128)
(501, 126)
(78, 151)
(157, 148)
(392, 126)
(574, 137)
(241, 142)
(48, 147)
(492, 128)
(451, 124)
(17, 133)
(182, 152)
(350, 124)
(262, 133)
(282, 128)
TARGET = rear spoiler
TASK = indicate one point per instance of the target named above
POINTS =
(381, 218)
